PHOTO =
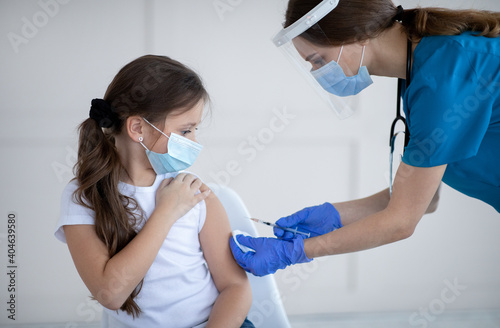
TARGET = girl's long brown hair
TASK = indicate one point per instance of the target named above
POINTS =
(150, 87)
(359, 20)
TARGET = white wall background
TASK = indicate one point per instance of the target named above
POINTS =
(76, 47)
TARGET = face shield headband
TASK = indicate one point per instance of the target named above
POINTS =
(319, 64)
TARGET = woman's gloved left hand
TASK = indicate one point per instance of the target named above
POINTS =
(270, 254)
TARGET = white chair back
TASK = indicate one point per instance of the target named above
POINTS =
(267, 310)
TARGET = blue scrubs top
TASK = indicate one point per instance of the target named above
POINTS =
(453, 112)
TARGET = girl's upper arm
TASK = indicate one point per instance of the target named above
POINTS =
(214, 239)
(89, 254)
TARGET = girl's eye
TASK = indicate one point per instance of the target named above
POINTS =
(188, 131)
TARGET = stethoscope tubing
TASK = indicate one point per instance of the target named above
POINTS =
(399, 114)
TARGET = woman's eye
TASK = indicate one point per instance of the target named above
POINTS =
(319, 62)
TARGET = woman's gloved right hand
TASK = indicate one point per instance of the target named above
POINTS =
(317, 220)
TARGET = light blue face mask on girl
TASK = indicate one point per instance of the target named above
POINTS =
(333, 79)
(182, 153)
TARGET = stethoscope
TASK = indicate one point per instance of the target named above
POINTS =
(402, 86)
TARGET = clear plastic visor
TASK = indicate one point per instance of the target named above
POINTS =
(308, 57)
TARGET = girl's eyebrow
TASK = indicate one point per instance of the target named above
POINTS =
(189, 124)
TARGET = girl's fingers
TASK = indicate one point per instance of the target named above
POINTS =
(192, 180)
(189, 180)
(202, 195)
(181, 176)
(165, 182)
(204, 187)
(196, 184)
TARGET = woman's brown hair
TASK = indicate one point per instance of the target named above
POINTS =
(150, 87)
(359, 20)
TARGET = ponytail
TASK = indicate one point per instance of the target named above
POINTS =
(98, 171)
(422, 22)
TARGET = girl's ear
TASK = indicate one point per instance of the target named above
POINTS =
(134, 127)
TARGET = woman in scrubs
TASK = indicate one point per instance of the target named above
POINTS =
(452, 109)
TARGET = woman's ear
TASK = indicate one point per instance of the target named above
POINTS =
(134, 127)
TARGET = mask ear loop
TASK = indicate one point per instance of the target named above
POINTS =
(340, 54)
(141, 139)
(154, 127)
(362, 57)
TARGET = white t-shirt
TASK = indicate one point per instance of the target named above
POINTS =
(178, 290)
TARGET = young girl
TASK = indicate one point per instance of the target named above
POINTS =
(150, 242)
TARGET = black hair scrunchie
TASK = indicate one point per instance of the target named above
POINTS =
(399, 15)
(103, 113)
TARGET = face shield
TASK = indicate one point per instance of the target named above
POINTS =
(319, 64)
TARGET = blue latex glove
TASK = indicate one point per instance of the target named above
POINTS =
(270, 254)
(318, 220)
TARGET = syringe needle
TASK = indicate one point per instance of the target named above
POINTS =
(294, 231)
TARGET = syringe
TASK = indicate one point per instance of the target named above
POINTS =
(294, 231)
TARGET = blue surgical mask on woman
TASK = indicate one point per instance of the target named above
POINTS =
(182, 153)
(333, 79)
